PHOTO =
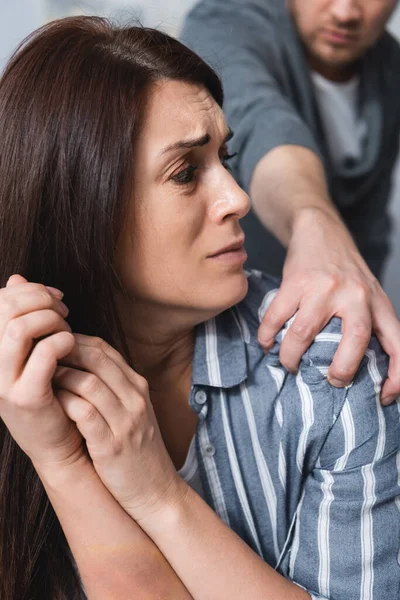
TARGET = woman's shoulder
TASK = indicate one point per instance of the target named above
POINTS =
(330, 413)
(262, 289)
(251, 310)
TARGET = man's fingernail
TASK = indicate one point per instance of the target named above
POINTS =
(388, 399)
(336, 382)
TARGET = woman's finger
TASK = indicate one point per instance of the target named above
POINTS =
(19, 337)
(88, 420)
(15, 280)
(114, 355)
(21, 299)
(92, 389)
(95, 356)
(39, 370)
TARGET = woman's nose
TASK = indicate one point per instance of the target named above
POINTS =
(230, 202)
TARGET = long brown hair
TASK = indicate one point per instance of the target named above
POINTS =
(72, 100)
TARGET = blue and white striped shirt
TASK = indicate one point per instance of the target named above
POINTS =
(307, 474)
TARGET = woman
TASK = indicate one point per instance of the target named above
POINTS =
(115, 189)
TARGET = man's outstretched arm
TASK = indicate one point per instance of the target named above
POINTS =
(279, 162)
(324, 274)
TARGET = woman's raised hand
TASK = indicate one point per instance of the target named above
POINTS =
(33, 337)
(111, 406)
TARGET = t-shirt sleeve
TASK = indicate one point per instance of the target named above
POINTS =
(346, 539)
(239, 40)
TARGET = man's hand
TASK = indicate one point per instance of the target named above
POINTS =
(324, 277)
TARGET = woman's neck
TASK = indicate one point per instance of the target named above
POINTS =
(160, 347)
(163, 362)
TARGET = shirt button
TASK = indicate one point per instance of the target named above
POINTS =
(200, 397)
(209, 450)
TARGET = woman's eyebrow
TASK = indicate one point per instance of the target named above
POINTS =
(183, 145)
(198, 142)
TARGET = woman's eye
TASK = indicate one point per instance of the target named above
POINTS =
(225, 160)
(186, 176)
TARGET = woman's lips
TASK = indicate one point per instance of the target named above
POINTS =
(231, 257)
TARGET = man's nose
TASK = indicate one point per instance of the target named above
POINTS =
(346, 11)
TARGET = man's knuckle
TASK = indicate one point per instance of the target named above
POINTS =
(273, 319)
(300, 280)
(361, 332)
(396, 381)
(331, 283)
(342, 373)
(361, 293)
(302, 331)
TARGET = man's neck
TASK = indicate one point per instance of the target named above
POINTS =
(336, 74)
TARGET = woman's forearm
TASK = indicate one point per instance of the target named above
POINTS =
(115, 558)
(210, 559)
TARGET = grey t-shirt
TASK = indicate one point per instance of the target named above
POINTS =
(270, 101)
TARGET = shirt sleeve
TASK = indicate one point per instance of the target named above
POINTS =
(238, 38)
(346, 538)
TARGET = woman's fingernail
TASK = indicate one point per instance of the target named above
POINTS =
(388, 399)
(336, 382)
(55, 292)
(65, 308)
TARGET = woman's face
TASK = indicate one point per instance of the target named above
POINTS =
(184, 215)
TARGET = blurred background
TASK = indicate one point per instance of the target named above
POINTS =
(20, 17)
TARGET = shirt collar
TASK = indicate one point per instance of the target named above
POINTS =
(220, 352)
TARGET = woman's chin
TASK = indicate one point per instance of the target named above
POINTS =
(229, 292)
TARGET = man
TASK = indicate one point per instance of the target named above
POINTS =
(312, 93)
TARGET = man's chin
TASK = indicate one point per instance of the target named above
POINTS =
(334, 63)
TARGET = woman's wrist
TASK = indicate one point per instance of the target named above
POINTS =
(170, 508)
(55, 476)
